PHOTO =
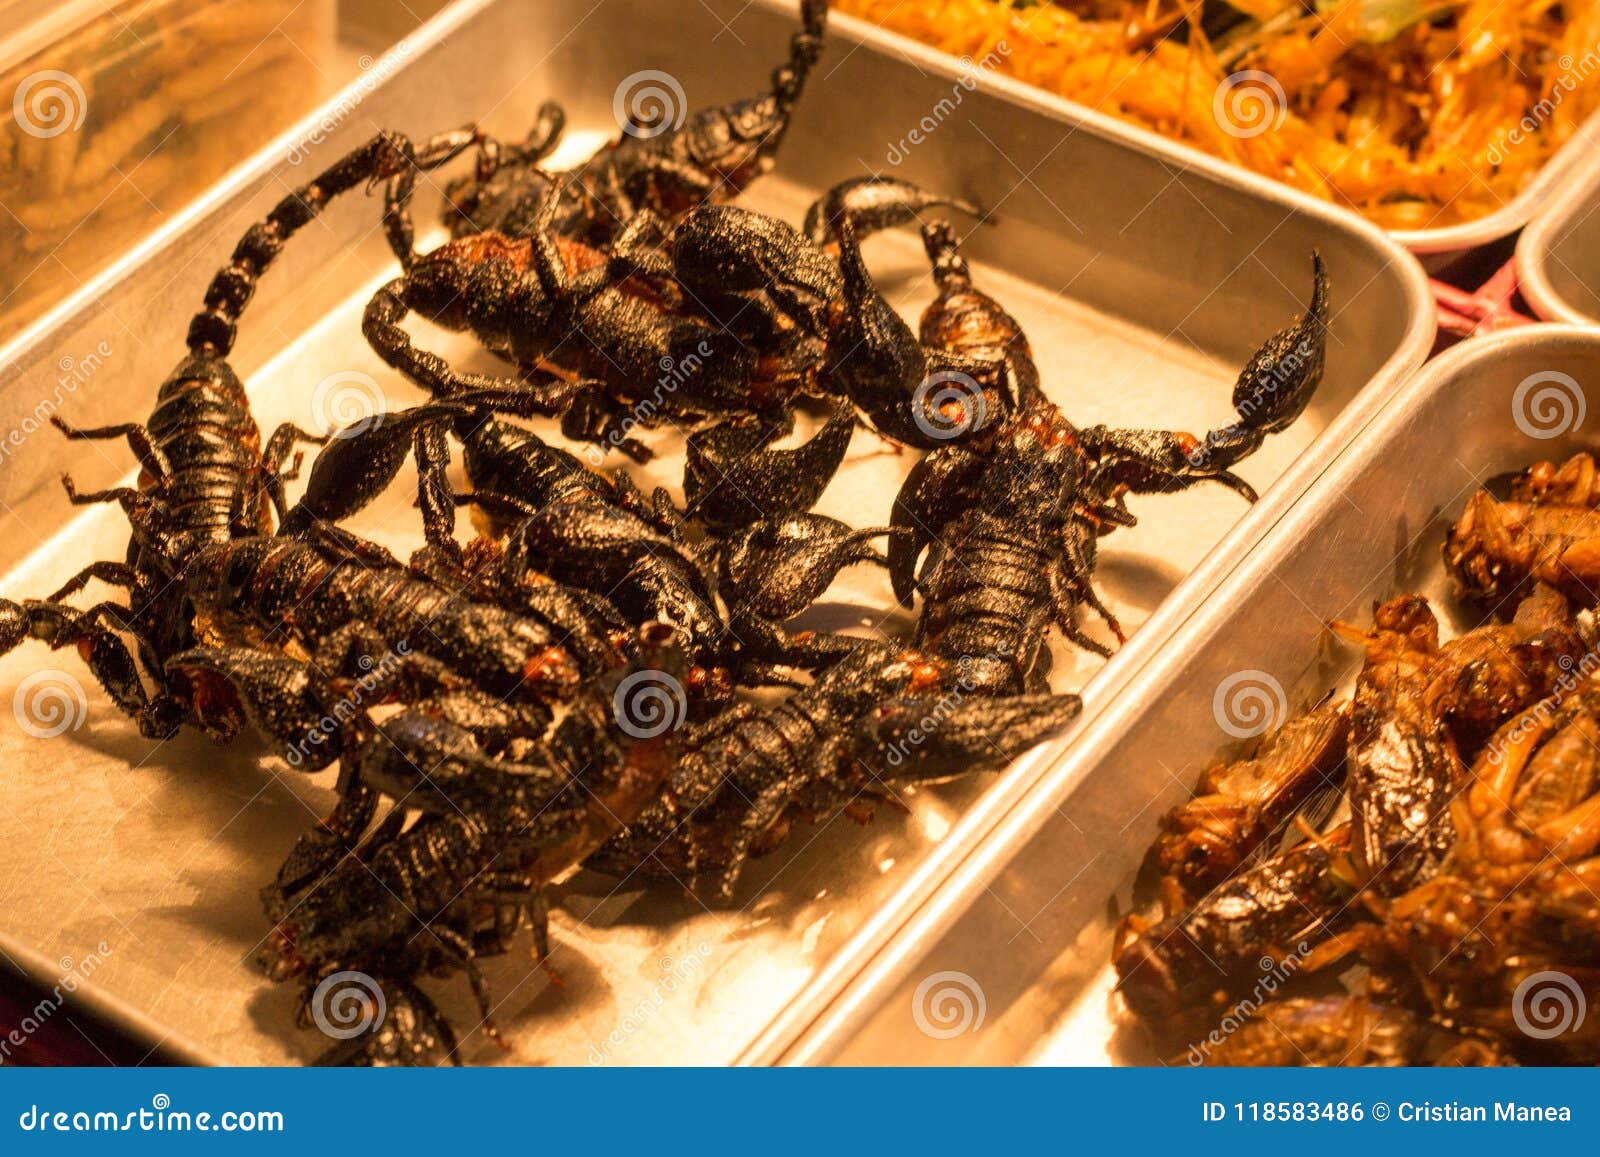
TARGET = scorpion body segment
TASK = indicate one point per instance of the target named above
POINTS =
(1015, 502)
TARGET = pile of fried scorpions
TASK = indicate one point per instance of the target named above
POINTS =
(1411, 875)
(574, 683)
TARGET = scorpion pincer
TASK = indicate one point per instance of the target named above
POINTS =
(205, 482)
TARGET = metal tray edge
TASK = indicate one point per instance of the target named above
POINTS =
(1441, 242)
(1580, 193)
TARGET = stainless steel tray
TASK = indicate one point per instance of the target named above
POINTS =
(1558, 256)
(1143, 285)
(1437, 247)
(1026, 921)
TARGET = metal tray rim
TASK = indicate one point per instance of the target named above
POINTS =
(881, 975)
(1534, 250)
(1000, 799)
(1445, 240)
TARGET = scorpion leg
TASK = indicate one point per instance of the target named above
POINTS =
(595, 417)
(143, 446)
(439, 150)
(938, 488)
(130, 498)
(117, 574)
(434, 495)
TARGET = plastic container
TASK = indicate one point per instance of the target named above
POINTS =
(113, 116)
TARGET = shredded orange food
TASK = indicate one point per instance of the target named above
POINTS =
(1441, 122)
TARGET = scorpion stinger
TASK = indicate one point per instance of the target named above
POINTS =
(1272, 391)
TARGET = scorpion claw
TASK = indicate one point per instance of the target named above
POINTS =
(732, 479)
(777, 568)
(923, 740)
(872, 205)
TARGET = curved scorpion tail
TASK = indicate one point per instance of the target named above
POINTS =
(805, 49)
(213, 330)
(874, 204)
(1278, 382)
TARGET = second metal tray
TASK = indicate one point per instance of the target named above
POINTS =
(1143, 286)
(1008, 962)
(1558, 257)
